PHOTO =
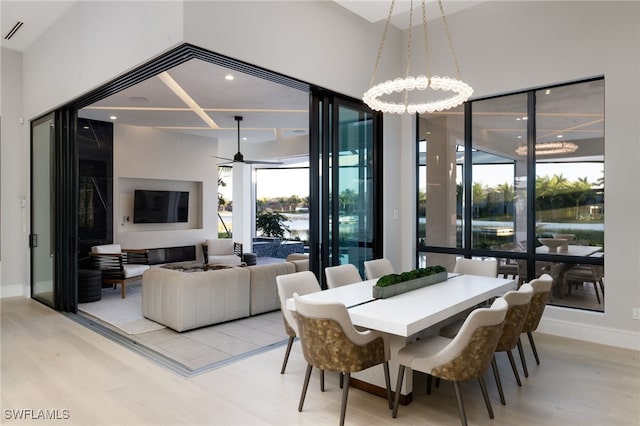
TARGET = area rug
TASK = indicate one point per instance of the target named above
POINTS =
(124, 314)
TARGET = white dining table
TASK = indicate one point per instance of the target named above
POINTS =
(405, 316)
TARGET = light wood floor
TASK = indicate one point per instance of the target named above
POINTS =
(50, 362)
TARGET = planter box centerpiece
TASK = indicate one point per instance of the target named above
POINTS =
(394, 284)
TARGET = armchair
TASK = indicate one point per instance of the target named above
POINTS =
(222, 251)
(119, 266)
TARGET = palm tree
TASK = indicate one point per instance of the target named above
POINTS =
(503, 194)
(578, 191)
(479, 193)
(348, 200)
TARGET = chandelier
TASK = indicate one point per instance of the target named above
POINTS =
(549, 148)
(406, 84)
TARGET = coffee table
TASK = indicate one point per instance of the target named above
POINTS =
(185, 266)
(214, 266)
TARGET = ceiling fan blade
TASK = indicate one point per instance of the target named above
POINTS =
(227, 161)
(263, 162)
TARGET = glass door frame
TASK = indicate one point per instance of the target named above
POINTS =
(324, 165)
(63, 215)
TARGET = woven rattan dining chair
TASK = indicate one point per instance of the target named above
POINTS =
(377, 268)
(330, 342)
(465, 357)
(341, 275)
(519, 302)
(541, 293)
(301, 283)
(584, 274)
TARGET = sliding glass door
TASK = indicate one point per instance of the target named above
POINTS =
(42, 210)
(346, 182)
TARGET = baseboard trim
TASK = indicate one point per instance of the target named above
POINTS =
(15, 290)
(590, 333)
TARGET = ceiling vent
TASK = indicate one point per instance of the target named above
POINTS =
(14, 30)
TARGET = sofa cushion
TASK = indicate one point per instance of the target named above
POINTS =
(220, 246)
(264, 290)
(106, 249)
(229, 259)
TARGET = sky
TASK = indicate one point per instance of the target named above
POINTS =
(273, 183)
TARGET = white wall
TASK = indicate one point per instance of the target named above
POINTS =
(14, 160)
(169, 161)
(508, 46)
(501, 46)
(91, 44)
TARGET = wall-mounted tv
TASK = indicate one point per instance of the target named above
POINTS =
(160, 206)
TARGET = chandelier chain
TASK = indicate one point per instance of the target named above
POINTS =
(403, 85)
(408, 68)
(381, 48)
(426, 38)
(446, 29)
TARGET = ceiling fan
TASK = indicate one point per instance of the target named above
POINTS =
(239, 158)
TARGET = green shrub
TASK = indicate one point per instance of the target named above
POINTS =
(391, 279)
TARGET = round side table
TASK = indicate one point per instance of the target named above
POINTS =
(89, 285)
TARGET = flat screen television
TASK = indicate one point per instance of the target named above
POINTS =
(160, 206)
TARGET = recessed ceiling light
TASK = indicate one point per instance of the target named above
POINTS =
(560, 136)
(140, 99)
(113, 117)
(547, 92)
(520, 137)
(229, 77)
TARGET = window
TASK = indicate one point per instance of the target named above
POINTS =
(535, 171)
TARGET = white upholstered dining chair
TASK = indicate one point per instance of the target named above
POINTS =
(330, 342)
(341, 275)
(301, 283)
(465, 357)
(377, 268)
(486, 268)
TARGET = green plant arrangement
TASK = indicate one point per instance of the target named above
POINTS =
(392, 279)
(394, 284)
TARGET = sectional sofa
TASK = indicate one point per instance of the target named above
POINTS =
(187, 300)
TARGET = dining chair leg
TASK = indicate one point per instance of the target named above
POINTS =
(321, 380)
(286, 354)
(463, 415)
(595, 288)
(496, 374)
(387, 381)
(429, 383)
(533, 347)
(396, 399)
(512, 361)
(341, 380)
(522, 359)
(307, 376)
(345, 395)
(485, 394)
